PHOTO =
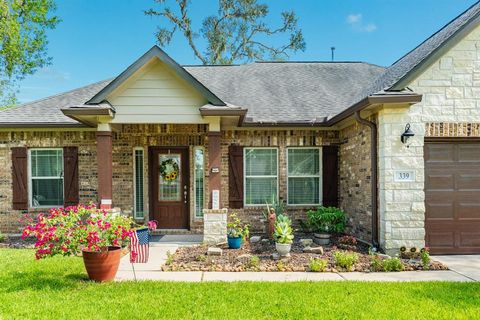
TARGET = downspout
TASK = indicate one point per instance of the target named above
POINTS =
(374, 179)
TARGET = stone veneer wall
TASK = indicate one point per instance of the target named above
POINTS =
(355, 180)
(270, 138)
(87, 154)
(450, 108)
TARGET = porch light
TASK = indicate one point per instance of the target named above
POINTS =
(406, 134)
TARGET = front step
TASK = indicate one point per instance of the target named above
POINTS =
(161, 232)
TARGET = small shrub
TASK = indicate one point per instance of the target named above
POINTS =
(280, 266)
(392, 264)
(169, 260)
(425, 256)
(345, 259)
(254, 262)
(2, 237)
(348, 242)
(318, 265)
(376, 264)
(201, 258)
(326, 219)
(236, 228)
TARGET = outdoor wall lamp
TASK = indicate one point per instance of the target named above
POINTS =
(406, 134)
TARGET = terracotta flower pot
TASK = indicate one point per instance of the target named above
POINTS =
(102, 266)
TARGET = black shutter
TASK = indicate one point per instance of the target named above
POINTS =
(19, 179)
(70, 176)
(235, 177)
(330, 176)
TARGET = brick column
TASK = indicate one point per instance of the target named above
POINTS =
(104, 160)
(214, 161)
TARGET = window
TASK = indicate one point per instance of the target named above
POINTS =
(304, 176)
(138, 183)
(198, 187)
(46, 178)
(261, 180)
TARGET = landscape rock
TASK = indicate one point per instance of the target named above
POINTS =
(244, 258)
(317, 250)
(275, 256)
(255, 239)
(265, 241)
(212, 251)
(306, 242)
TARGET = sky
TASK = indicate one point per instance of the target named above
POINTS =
(98, 39)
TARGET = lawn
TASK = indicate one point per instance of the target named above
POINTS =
(57, 288)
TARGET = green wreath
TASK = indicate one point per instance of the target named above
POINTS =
(169, 170)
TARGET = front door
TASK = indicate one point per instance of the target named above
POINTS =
(168, 169)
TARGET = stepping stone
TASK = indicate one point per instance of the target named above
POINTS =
(306, 242)
(317, 250)
(212, 251)
(255, 239)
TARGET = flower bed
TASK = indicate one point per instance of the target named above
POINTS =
(258, 257)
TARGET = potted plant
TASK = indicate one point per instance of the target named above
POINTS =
(237, 232)
(283, 235)
(324, 221)
(82, 230)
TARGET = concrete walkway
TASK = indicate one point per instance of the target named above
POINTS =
(158, 256)
(465, 265)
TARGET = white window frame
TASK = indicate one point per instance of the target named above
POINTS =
(195, 182)
(245, 175)
(135, 182)
(30, 178)
(320, 176)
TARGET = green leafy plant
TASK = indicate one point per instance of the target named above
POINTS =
(2, 237)
(425, 256)
(201, 258)
(280, 266)
(345, 259)
(283, 232)
(392, 264)
(376, 263)
(236, 229)
(284, 219)
(318, 265)
(169, 260)
(326, 219)
(278, 206)
(254, 262)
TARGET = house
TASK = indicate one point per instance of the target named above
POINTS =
(397, 148)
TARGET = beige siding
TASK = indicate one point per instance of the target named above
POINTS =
(155, 94)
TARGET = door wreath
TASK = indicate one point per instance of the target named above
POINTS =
(169, 170)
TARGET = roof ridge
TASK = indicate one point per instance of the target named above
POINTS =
(56, 95)
(440, 30)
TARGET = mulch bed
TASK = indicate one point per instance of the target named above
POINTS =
(195, 258)
(16, 242)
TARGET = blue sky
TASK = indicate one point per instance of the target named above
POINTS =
(98, 39)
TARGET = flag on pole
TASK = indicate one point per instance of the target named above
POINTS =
(139, 246)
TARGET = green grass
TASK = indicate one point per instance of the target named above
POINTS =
(57, 288)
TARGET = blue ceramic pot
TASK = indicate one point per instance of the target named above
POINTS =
(234, 243)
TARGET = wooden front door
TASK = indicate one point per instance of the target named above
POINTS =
(169, 183)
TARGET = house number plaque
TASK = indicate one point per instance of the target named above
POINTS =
(404, 176)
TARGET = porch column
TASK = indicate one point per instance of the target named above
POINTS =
(104, 160)
(214, 176)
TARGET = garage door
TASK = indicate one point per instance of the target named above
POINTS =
(452, 197)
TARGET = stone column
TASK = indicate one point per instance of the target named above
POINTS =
(214, 168)
(401, 201)
(104, 159)
(214, 226)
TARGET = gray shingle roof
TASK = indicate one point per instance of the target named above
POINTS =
(413, 60)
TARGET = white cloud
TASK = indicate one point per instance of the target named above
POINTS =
(356, 21)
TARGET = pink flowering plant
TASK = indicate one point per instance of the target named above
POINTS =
(68, 231)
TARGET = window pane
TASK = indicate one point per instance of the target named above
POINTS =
(303, 190)
(47, 163)
(261, 162)
(170, 178)
(303, 162)
(139, 183)
(260, 190)
(47, 192)
(199, 176)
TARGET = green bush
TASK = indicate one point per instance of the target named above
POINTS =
(254, 262)
(376, 264)
(326, 219)
(425, 255)
(2, 237)
(318, 265)
(345, 259)
(392, 264)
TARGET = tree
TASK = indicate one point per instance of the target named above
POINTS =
(237, 33)
(23, 42)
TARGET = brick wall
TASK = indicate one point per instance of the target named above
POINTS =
(10, 219)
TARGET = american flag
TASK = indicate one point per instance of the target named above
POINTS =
(139, 246)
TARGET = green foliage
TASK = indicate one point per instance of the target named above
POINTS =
(170, 257)
(345, 259)
(2, 237)
(376, 263)
(283, 232)
(235, 228)
(201, 258)
(280, 266)
(326, 219)
(425, 256)
(23, 42)
(392, 264)
(318, 265)
(237, 33)
(254, 262)
(278, 206)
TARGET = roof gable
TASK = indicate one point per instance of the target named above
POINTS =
(156, 52)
